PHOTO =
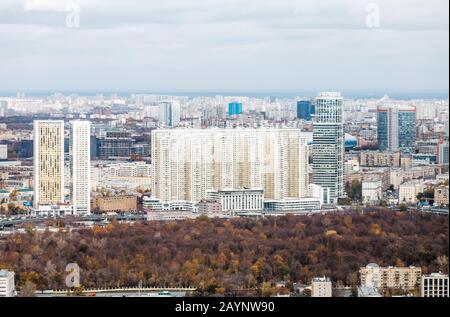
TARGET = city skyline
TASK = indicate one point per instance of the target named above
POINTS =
(240, 150)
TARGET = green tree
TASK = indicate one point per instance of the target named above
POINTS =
(354, 190)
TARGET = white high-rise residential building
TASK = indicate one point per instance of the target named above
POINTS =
(321, 287)
(328, 144)
(435, 285)
(7, 288)
(189, 162)
(48, 160)
(169, 113)
(80, 148)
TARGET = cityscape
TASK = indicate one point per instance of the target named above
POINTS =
(304, 192)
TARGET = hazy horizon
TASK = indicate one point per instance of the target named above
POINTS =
(224, 45)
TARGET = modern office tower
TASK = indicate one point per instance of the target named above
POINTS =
(328, 144)
(305, 110)
(234, 108)
(115, 145)
(48, 162)
(169, 113)
(396, 127)
(80, 147)
(189, 162)
(7, 287)
(435, 285)
(443, 153)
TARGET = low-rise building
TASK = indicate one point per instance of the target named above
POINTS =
(351, 166)
(250, 200)
(294, 205)
(319, 192)
(364, 291)
(435, 285)
(441, 196)
(3, 151)
(209, 207)
(152, 204)
(396, 177)
(59, 210)
(408, 192)
(380, 159)
(321, 287)
(383, 278)
(124, 203)
(371, 190)
(7, 287)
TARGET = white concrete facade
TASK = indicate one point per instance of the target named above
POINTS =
(80, 147)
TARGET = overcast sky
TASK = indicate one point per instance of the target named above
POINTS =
(223, 44)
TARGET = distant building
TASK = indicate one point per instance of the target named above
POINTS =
(209, 207)
(152, 204)
(234, 108)
(130, 175)
(396, 127)
(251, 200)
(380, 159)
(441, 196)
(305, 110)
(3, 151)
(364, 291)
(169, 114)
(408, 192)
(443, 153)
(317, 191)
(371, 190)
(396, 177)
(351, 166)
(321, 287)
(7, 287)
(435, 285)
(292, 205)
(115, 145)
(405, 278)
(125, 203)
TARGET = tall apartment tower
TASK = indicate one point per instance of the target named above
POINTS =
(395, 127)
(328, 144)
(80, 166)
(48, 159)
(169, 113)
(187, 163)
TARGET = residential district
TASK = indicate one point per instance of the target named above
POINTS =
(91, 159)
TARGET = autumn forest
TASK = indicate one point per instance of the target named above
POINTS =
(228, 257)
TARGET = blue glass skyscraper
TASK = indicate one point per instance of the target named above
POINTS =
(396, 127)
(305, 110)
(234, 108)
